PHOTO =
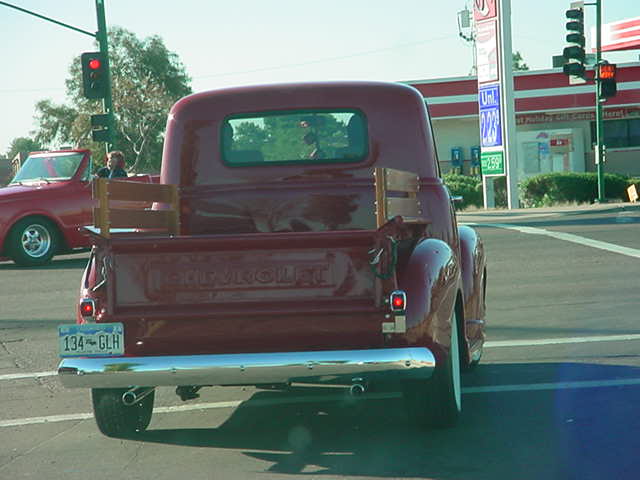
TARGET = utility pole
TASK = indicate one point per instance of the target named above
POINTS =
(599, 113)
(103, 42)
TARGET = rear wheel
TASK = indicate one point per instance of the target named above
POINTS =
(114, 418)
(33, 241)
(437, 402)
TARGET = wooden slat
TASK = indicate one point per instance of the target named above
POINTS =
(136, 196)
(126, 218)
(401, 181)
(140, 192)
(174, 221)
(101, 215)
(381, 205)
(397, 181)
(407, 207)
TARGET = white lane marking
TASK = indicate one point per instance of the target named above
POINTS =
(557, 341)
(17, 376)
(506, 216)
(624, 382)
(85, 416)
(568, 237)
(18, 422)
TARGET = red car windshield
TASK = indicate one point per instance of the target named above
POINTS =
(59, 166)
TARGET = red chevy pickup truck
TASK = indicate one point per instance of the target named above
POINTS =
(44, 205)
(301, 234)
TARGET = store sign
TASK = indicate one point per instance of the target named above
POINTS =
(490, 118)
(487, 51)
(492, 163)
(561, 143)
(609, 114)
(484, 9)
(621, 35)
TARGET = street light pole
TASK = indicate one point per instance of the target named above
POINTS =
(101, 37)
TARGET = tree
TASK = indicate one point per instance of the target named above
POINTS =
(58, 124)
(518, 62)
(22, 145)
(146, 80)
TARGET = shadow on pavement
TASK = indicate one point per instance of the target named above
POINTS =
(581, 433)
(64, 263)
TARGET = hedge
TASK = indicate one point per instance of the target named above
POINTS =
(568, 187)
(469, 188)
(542, 190)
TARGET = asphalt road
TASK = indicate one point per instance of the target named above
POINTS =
(555, 397)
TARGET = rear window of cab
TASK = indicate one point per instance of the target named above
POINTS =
(294, 137)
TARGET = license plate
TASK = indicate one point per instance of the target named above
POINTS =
(91, 339)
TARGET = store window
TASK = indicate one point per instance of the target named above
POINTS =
(619, 133)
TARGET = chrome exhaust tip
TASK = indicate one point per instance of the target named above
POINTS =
(356, 389)
(135, 395)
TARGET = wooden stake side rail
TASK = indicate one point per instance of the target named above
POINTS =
(397, 182)
(106, 217)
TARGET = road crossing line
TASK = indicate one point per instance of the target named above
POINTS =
(18, 376)
(558, 341)
(568, 237)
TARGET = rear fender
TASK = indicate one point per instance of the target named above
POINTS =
(431, 280)
(473, 266)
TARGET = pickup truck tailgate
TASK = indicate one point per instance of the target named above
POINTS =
(244, 293)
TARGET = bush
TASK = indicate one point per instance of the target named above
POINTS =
(562, 187)
(469, 188)
(543, 190)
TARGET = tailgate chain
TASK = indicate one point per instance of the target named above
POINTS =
(377, 257)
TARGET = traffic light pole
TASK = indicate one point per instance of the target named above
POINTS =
(599, 111)
(103, 42)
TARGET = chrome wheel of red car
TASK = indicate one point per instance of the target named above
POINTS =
(438, 401)
(33, 241)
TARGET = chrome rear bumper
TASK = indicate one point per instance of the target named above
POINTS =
(330, 367)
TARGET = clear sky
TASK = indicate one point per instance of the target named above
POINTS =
(233, 42)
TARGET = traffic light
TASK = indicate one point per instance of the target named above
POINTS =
(101, 128)
(607, 75)
(94, 75)
(574, 53)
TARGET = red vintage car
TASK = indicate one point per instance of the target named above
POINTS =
(302, 235)
(45, 204)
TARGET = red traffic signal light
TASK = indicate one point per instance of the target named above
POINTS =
(95, 64)
(94, 75)
(607, 87)
(607, 71)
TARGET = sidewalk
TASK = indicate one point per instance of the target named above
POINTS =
(497, 214)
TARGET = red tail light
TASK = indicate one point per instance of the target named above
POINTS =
(87, 307)
(398, 301)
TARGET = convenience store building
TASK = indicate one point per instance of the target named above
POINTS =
(555, 122)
